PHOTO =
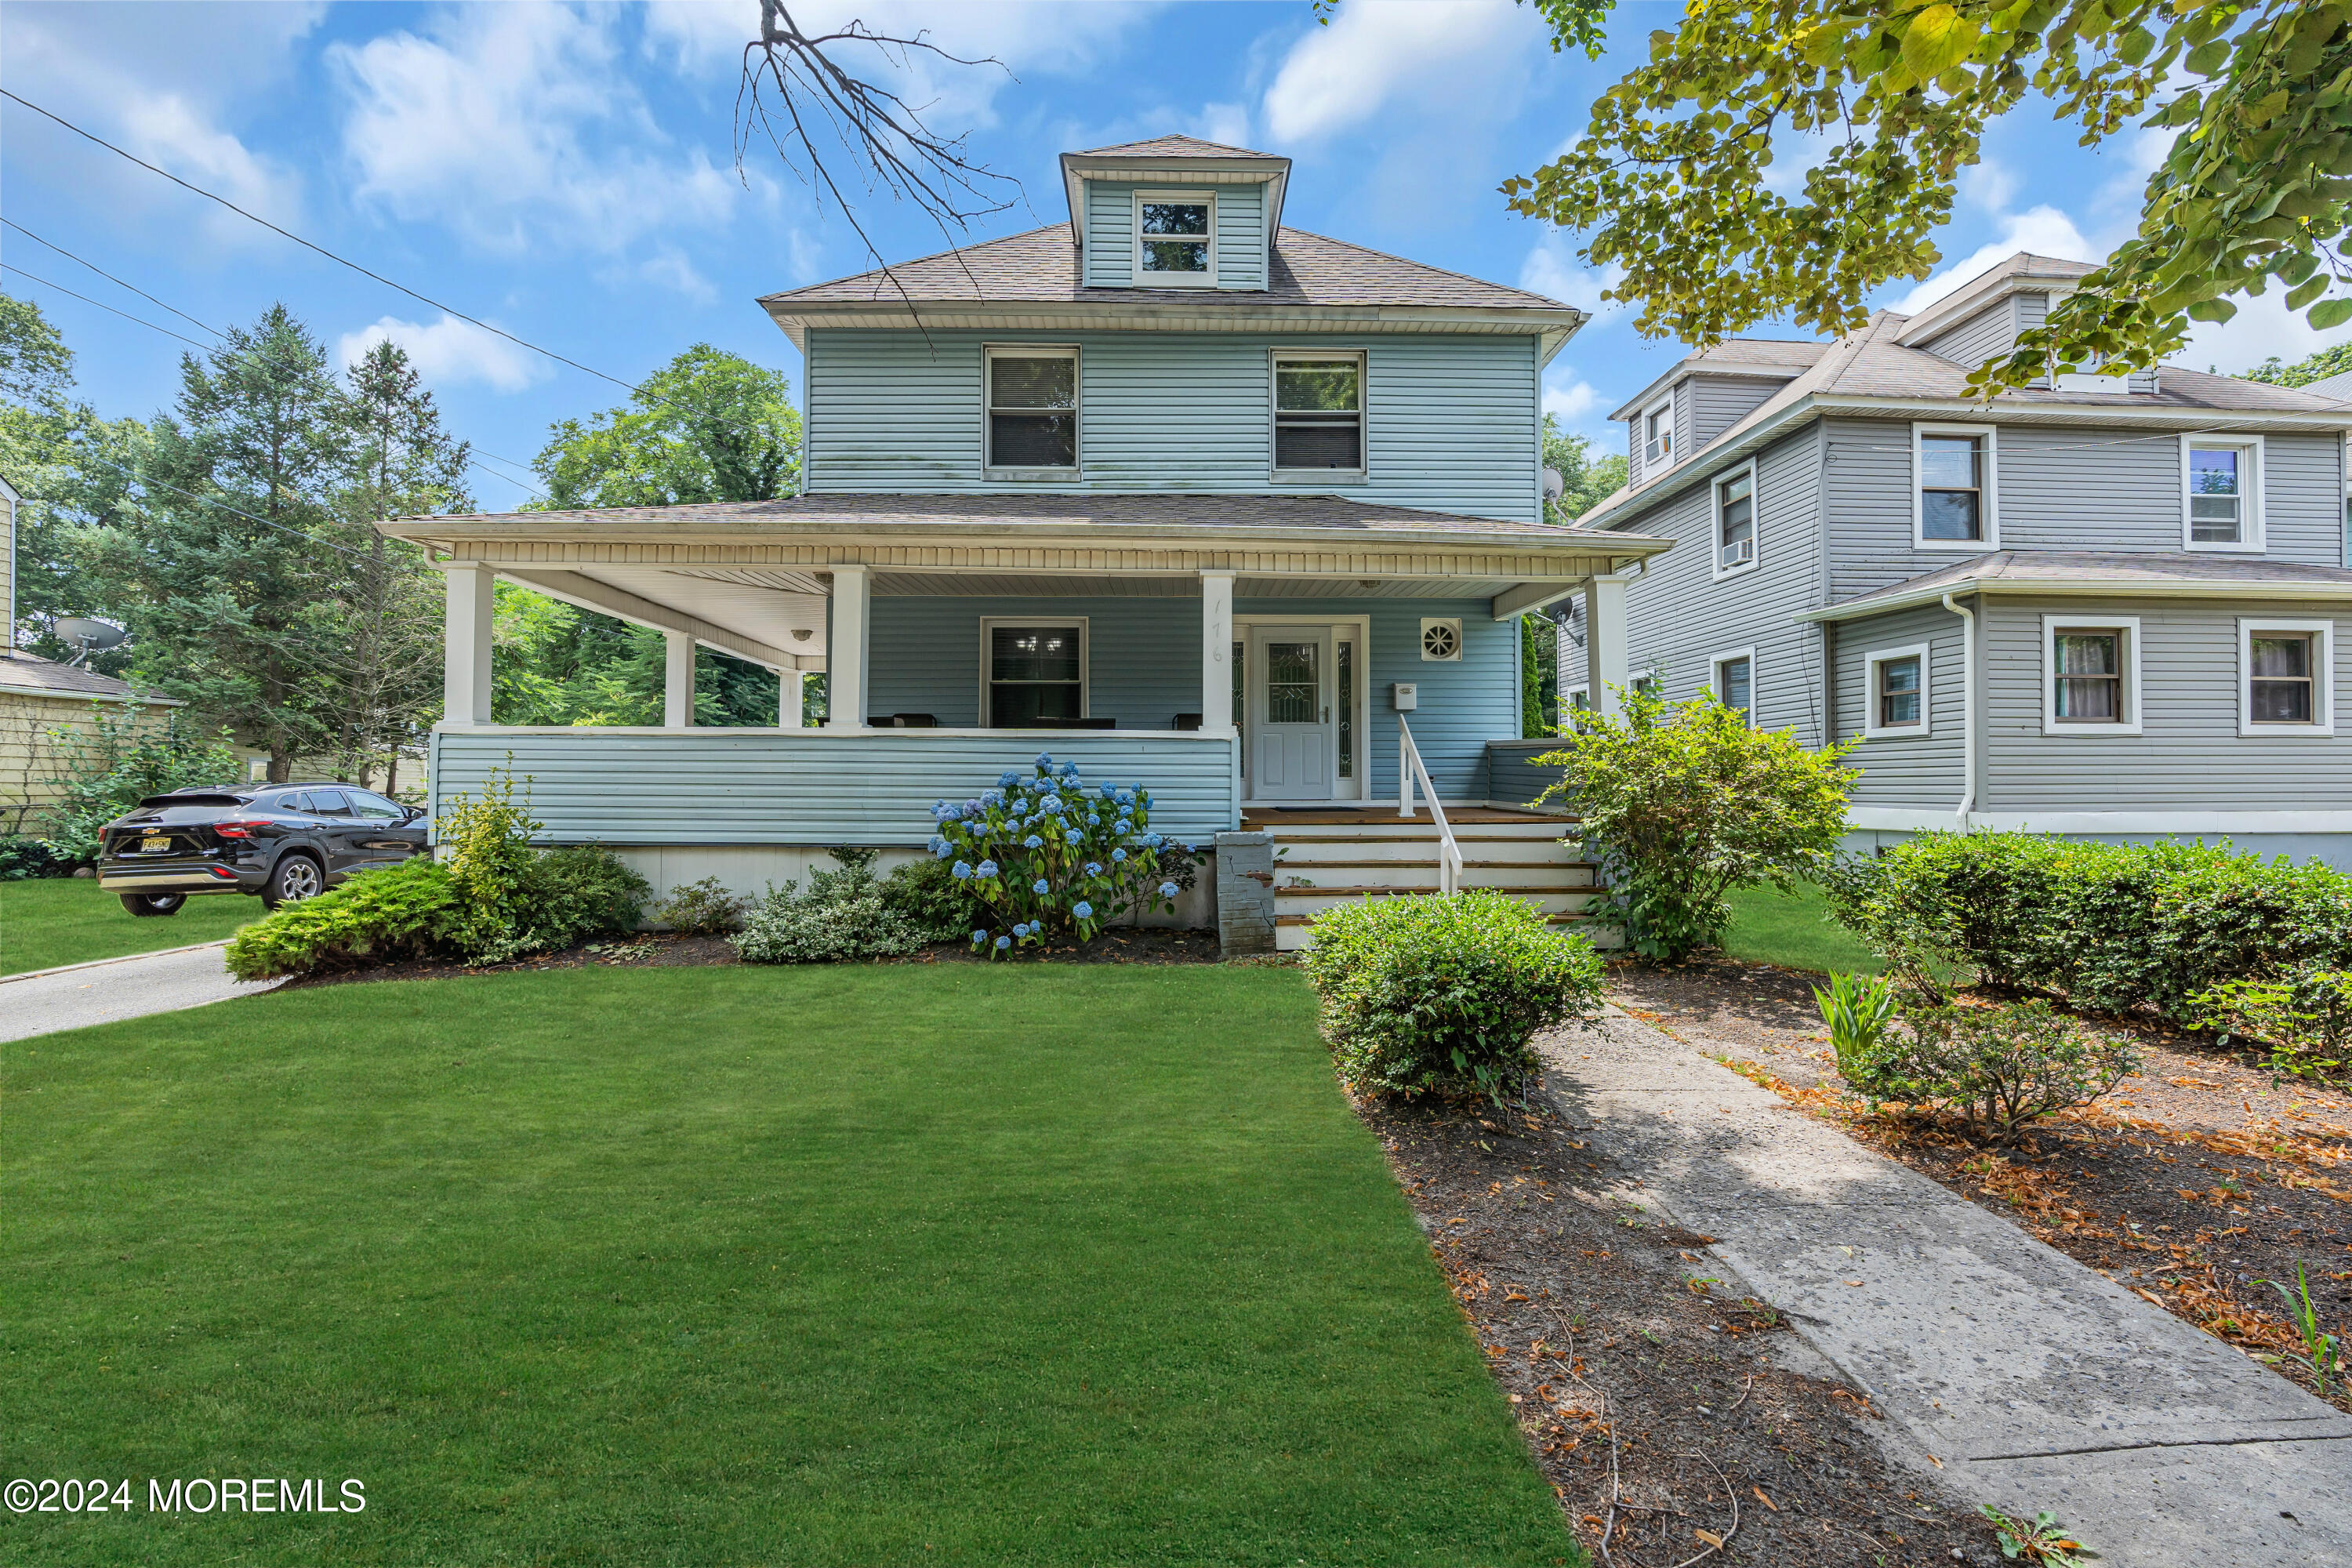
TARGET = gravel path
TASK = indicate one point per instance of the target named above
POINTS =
(118, 988)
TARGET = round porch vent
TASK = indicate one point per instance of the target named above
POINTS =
(1440, 639)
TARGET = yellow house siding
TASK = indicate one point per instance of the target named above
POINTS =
(28, 753)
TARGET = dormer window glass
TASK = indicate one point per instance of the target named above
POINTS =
(1318, 415)
(1033, 410)
(1658, 435)
(1175, 239)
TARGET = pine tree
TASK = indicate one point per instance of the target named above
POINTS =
(239, 555)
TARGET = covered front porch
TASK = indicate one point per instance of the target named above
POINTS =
(1232, 654)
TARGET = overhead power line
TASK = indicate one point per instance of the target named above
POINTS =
(86, 300)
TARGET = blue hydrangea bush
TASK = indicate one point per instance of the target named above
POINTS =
(1045, 854)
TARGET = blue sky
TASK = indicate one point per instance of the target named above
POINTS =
(568, 173)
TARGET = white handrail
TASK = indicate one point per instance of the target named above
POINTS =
(1409, 768)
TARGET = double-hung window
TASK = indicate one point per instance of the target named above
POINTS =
(2221, 492)
(1735, 680)
(2286, 677)
(1658, 436)
(1952, 501)
(1032, 411)
(2090, 675)
(1036, 672)
(1175, 239)
(1735, 522)
(1318, 416)
(1895, 686)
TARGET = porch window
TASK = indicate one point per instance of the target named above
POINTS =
(1318, 415)
(1032, 408)
(1036, 674)
(1175, 239)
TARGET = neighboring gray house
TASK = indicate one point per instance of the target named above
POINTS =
(2109, 608)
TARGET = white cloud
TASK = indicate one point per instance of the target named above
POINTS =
(2260, 328)
(671, 270)
(1226, 123)
(514, 124)
(1377, 53)
(1552, 270)
(1570, 403)
(1990, 184)
(2043, 230)
(448, 352)
(162, 89)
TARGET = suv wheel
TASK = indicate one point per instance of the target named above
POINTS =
(298, 878)
(153, 903)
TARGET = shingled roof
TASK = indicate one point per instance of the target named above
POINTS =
(2092, 571)
(1173, 147)
(1042, 266)
(27, 672)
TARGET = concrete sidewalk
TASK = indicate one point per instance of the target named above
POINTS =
(114, 988)
(2036, 1383)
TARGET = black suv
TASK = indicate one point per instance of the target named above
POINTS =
(283, 842)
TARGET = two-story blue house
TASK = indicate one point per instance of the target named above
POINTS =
(2108, 606)
(1171, 490)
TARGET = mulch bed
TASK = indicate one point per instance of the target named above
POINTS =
(667, 950)
(2191, 1182)
(1664, 1412)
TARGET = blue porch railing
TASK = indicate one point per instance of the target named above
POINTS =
(818, 787)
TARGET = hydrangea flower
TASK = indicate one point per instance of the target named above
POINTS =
(1052, 803)
(971, 808)
(1039, 888)
(1033, 842)
(940, 847)
(963, 870)
(1003, 943)
(1154, 839)
(1084, 911)
(1045, 759)
(985, 868)
(1167, 889)
(1070, 770)
(1020, 930)
(1118, 855)
(992, 797)
(1094, 867)
(1007, 779)
(978, 936)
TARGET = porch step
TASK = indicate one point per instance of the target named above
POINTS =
(1552, 900)
(1422, 873)
(1294, 933)
(1319, 865)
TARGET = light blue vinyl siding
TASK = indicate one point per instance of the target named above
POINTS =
(807, 786)
(1111, 232)
(1451, 420)
(1144, 669)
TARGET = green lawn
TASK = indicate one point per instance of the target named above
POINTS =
(1794, 932)
(860, 1265)
(62, 920)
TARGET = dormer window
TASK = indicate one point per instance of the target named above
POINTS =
(1658, 435)
(1175, 239)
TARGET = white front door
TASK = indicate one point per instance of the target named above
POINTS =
(1292, 737)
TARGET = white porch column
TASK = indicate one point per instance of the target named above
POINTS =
(678, 680)
(844, 669)
(466, 644)
(1606, 671)
(789, 715)
(1216, 652)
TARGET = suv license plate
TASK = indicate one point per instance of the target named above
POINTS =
(154, 845)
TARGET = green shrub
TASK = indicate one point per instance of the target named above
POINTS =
(486, 846)
(701, 909)
(1685, 802)
(121, 759)
(2303, 1022)
(1436, 993)
(378, 917)
(564, 897)
(927, 893)
(23, 859)
(844, 915)
(2108, 926)
(2005, 1067)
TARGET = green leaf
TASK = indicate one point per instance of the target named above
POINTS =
(1937, 39)
(2207, 58)
(2330, 314)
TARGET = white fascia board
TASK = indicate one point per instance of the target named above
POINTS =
(2060, 588)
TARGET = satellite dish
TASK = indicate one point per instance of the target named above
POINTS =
(89, 636)
(1555, 485)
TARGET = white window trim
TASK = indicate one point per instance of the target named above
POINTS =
(1144, 279)
(987, 625)
(2323, 692)
(1872, 730)
(2094, 622)
(1362, 472)
(989, 355)
(1641, 436)
(1715, 567)
(1989, 493)
(2253, 540)
(1715, 664)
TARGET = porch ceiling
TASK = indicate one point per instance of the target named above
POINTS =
(763, 617)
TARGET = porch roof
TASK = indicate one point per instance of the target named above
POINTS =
(751, 578)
